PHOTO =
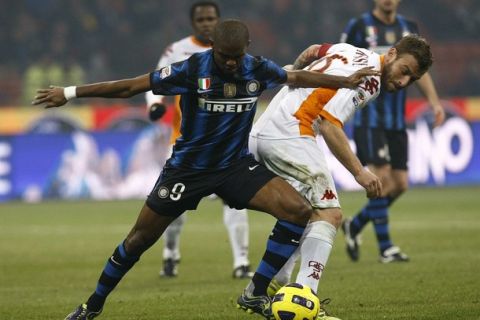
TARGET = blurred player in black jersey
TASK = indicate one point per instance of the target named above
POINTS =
(219, 89)
(380, 130)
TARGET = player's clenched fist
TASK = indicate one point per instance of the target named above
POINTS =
(370, 182)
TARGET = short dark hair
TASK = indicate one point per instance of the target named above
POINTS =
(203, 4)
(231, 32)
(419, 48)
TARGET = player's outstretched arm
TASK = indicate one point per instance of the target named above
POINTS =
(312, 79)
(58, 96)
(337, 142)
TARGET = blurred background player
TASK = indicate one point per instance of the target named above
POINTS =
(204, 15)
(379, 129)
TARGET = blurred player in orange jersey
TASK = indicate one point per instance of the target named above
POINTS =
(284, 137)
(204, 16)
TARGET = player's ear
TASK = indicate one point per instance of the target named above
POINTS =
(391, 54)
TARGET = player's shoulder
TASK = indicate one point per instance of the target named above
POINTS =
(256, 62)
(406, 19)
(411, 24)
(182, 43)
(357, 22)
(349, 50)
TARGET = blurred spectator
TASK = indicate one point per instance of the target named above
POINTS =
(116, 38)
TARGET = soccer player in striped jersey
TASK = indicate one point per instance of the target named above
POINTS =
(284, 138)
(219, 89)
(380, 131)
(204, 16)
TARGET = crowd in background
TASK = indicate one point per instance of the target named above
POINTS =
(70, 42)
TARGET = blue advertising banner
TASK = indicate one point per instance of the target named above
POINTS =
(119, 165)
(109, 165)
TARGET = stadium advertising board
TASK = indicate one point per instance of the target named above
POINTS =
(117, 154)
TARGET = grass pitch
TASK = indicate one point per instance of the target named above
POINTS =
(51, 255)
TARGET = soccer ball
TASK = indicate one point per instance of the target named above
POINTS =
(295, 302)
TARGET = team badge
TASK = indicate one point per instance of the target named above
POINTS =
(163, 192)
(253, 86)
(390, 37)
(229, 90)
(165, 72)
(204, 83)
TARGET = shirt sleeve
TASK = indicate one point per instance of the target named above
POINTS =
(171, 80)
(274, 75)
(164, 60)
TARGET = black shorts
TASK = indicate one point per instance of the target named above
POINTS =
(178, 190)
(380, 147)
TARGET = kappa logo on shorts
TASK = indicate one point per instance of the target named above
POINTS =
(163, 192)
(329, 195)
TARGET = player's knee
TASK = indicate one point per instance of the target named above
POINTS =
(300, 213)
(400, 187)
(331, 215)
(336, 217)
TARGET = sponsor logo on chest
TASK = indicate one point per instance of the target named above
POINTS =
(227, 105)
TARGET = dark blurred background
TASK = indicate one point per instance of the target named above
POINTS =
(71, 41)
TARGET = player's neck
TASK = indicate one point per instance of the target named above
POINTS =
(385, 17)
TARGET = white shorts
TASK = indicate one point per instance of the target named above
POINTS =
(301, 162)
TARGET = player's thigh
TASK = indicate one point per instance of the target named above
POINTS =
(301, 163)
(250, 184)
(282, 201)
(372, 146)
(398, 148)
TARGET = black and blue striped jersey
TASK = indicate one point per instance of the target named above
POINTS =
(388, 110)
(217, 108)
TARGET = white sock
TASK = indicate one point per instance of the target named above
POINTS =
(236, 222)
(285, 274)
(171, 240)
(315, 248)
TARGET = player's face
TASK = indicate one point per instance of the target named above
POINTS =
(229, 58)
(204, 21)
(387, 6)
(400, 72)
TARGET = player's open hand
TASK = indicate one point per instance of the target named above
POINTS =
(358, 77)
(51, 98)
(370, 182)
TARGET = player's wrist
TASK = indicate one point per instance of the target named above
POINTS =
(70, 92)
